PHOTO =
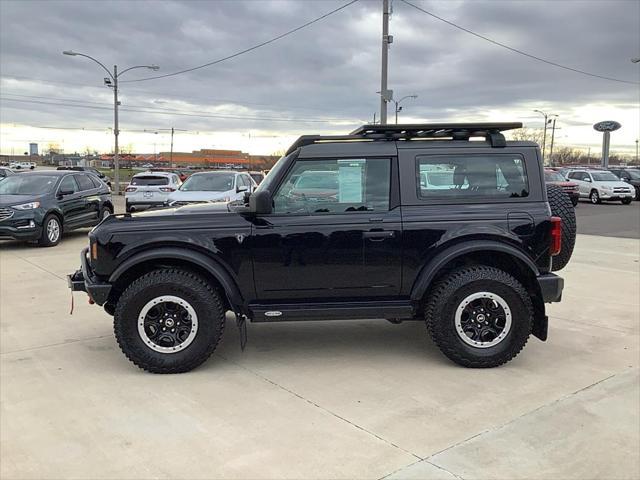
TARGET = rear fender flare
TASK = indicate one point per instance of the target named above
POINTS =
(431, 269)
(213, 267)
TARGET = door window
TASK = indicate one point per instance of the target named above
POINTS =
(471, 176)
(68, 184)
(316, 187)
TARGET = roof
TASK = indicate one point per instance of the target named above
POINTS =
(51, 173)
(492, 132)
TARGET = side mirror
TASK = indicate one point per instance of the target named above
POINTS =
(586, 179)
(260, 202)
(241, 188)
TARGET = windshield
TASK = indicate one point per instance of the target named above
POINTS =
(266, 184)
(149, 180)
(208, 182)
(27, 184)
(553, 177)
(604, 177)
(635, 174)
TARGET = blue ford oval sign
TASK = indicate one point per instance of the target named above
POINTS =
(607, 126)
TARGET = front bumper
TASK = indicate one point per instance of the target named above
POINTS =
(551, 286)
(84, 280)
(605, 195)
(22, 225)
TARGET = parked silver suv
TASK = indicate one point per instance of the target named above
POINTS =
(599, 185)
(150, 189)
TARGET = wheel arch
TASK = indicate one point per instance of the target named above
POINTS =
(490, 253)
(145, 261)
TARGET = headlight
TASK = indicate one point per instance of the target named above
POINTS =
(27, 206)
(607, 188)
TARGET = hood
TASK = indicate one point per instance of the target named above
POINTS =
(8, 200)
(613, 183)
(182, 196)
(196, 208)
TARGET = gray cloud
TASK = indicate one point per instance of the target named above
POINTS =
(326, 72)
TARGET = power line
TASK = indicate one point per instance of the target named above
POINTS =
(246, 50)
(169, 112)
(515, 50)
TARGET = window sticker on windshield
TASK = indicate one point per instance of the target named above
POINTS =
(350, 174)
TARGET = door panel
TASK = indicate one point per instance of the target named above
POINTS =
(331, 235)
(72, 205)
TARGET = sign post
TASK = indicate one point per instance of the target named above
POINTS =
(606, 128)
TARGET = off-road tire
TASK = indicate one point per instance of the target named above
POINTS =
(205, 300)
(562, 207)
(44, 240)
(627, 201)
(594, 197)
(450, 291)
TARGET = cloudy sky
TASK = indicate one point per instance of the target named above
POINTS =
(321, 79)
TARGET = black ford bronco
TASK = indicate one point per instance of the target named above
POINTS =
(444, 223)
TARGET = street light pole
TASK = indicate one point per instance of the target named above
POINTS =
(398, 107)
(636, 150)
(544, 137)
(385, 62)
(553, 132)
(112, 81)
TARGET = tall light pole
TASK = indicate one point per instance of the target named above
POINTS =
(544, 137)
(636, 151)
(553, 133)
(385, 95)
(398, 107)
(112, 81)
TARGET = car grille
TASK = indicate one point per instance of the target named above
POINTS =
(5, 213)
(570, 188)
(621, 190)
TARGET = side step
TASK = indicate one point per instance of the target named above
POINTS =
(392, 309)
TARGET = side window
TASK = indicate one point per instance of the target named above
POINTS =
(68, 184)
(316, 187)
(471, 176)
(241, 181)
(573, 175)
(84, 182)
(96, 182)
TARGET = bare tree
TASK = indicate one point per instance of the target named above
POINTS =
(527, 135)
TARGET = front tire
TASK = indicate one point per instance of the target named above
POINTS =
(594, 196)
(105, 212)
(627, 201)
(51, 231)
(479, 316)
(169, 321)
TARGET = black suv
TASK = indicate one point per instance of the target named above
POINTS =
(404, 222)
(42, 204)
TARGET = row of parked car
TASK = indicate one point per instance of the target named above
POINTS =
(597, 184)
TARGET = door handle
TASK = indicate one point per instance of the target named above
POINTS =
(379, 235)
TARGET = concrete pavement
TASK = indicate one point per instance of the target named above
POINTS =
(356, 399)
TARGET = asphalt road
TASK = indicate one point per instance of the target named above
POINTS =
(609, 219)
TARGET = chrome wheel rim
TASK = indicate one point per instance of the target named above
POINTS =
(594, 197)
(53, 230)
(483, 319)
(167, 324)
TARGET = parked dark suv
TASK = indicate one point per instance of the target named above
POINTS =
(42, 204)
(407, 222)
(629, 175)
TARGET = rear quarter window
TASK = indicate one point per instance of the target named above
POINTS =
(149, 180)
(460, 177)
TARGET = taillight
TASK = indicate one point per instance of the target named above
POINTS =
(556, 236)
(130, 189)
(167, 189)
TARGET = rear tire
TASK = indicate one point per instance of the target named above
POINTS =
(447, 326)
(562, 207)
(142, 327)
(105, 212)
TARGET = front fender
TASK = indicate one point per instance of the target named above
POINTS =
(186, 256)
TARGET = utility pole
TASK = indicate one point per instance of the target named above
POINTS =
(553, 132)
(171, 152)
(636, 150)
(544, 135)
(385, 62)
(116, 132)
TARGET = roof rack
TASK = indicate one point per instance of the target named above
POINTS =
(454, 131)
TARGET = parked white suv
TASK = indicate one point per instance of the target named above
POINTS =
(217, 186)
(150, 189)
(599, 185)
(22, 165)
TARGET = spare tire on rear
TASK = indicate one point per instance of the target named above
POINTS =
(562, 207)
